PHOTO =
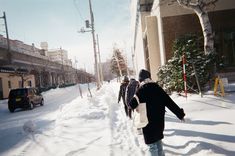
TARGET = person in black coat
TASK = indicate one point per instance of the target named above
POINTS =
(122, 93)
(130, 92)
(155, 99)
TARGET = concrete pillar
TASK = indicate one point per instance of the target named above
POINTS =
(53, 79)
(40, 79)
(50, 78)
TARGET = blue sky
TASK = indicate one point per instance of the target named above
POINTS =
(58, 22)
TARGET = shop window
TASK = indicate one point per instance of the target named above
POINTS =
(225, 47)
(229, 47)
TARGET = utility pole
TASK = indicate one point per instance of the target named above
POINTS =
(8, 41)
(76, 70)
(94, 46)
(100, 65)
(78, 83)
(91, 25)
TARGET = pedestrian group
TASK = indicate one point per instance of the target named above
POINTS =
(148, 101)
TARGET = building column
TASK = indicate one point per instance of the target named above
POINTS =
(50, 79)
(40, 79)
(161, 38)
(53, 79)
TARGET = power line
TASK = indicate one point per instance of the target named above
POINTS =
(79, 13)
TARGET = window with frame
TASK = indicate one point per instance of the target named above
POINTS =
(225, 47)
(29, 83)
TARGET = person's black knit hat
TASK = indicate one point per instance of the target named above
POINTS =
(126, 79)
(144, 74)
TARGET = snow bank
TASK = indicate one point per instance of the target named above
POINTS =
(29, 127)
(70, 125)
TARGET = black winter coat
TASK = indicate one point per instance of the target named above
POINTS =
(130, 90)
(156, 99)
(122, 92)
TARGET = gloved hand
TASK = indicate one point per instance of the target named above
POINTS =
(182, 115)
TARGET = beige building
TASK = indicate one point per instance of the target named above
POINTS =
(33, 74)
(60, 56)
(8, 81)
(156, 25)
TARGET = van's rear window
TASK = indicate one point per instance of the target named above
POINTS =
(18, 92)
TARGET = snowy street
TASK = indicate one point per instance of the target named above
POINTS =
(68, 125)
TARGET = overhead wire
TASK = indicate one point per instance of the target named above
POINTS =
(79, 13)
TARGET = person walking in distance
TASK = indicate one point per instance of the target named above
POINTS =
(122, 92)
(130, 92)
(150, 101)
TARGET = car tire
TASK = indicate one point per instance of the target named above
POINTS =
(11, 108)
(31, 106)
(42, 103)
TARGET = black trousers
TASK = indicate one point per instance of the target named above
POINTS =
(127, 111)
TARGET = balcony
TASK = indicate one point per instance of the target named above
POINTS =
(145, 5)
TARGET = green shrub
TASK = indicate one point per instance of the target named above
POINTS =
(171, 74)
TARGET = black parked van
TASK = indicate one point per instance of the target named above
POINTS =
(24, 98)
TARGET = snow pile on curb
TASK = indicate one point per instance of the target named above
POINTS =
(29, 127)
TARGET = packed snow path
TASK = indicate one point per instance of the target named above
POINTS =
(76, 126)
(68, 125)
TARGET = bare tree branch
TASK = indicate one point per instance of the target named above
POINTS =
(211, 2)
(188, 4)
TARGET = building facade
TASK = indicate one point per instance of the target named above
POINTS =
(9, 80)
(60, 56)
(32, 67)
(21, 47)
(156, 24)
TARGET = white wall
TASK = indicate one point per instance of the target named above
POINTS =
(139, 51)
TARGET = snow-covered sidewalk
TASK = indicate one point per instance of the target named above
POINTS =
(209, 128)
(98, 125)
(84, 126)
